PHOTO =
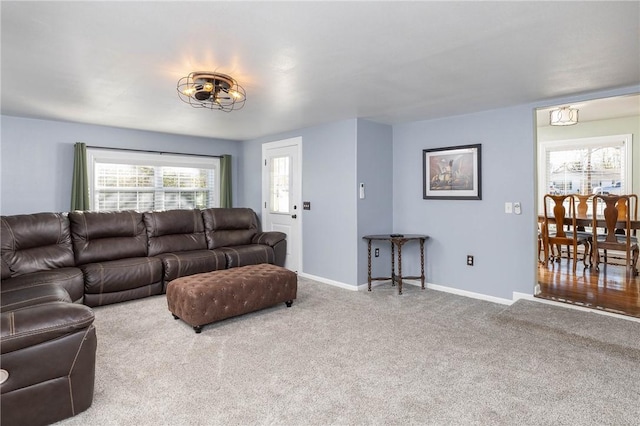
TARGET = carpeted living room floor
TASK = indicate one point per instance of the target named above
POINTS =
(339, 357)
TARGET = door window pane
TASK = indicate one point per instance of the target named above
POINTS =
(279, 184)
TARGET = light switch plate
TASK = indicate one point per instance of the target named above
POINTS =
(508, 208)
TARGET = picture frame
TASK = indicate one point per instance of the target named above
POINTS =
(452, 173)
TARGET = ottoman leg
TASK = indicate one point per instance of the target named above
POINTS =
(197, 328)
(175, 316)
(289, 303)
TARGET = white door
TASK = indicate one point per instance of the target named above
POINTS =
(282, 195)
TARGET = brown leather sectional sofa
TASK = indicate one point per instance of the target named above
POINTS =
(56, 266)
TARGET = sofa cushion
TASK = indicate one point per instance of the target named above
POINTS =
(104, 236)
(35, 242)
(252, 254)
(100, 299)
(5, 272)
(229, 226)
(184, 263)
(174, 231)
(71, 279)
(122, 274)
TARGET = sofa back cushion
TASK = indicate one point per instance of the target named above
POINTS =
(35, 242)
(174, 230)
(104, 236)
(226, 227)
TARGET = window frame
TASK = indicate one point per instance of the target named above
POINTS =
(626, 141)
(155, 159)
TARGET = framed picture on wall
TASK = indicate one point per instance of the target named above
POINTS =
(452, 173)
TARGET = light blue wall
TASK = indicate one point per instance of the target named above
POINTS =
(329, 229)
(37, 158)
(501, 244)
(504, 245)
(375, 211)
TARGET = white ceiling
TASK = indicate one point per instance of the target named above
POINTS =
(307, 63)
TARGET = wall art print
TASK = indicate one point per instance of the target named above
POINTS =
(452, 173)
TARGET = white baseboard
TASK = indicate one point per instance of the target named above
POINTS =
(445, 289)
(464, 293)
(328, 281)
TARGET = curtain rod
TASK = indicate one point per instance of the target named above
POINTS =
(153, 152)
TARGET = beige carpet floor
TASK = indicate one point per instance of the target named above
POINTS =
(339, 357)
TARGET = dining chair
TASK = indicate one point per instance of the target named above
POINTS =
(608, 238)
(555, 213)
(630, 204)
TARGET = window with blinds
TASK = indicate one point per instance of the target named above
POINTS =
(124, 180)
(585, 166)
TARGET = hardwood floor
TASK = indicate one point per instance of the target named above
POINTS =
(609, 289)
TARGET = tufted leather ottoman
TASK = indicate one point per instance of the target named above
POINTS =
(212, 296)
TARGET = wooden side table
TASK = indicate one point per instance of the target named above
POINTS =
(397, 240)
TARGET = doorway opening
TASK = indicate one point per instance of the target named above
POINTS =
(594, 157)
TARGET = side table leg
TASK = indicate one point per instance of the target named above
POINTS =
(369, 268)
(393, 266)
(399, 268)
(422, 263)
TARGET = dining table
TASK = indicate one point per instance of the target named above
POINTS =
(586, 221)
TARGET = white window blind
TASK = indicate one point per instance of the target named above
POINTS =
(125, 180)
(585, 166)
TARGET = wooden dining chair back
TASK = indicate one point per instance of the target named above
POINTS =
(605, 238)
(582, 208)
(630, 204)
(566, 233)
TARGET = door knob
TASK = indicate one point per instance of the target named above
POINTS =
(293, 216)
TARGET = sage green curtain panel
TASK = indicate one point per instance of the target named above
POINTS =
(80, 182)
(225, 182)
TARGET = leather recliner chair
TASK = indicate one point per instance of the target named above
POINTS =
(48, 343)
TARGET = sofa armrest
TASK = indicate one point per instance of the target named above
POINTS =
(32, 325)
(270, 238)
(22, 297)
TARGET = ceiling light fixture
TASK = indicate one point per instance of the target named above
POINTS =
(565, 116)
(212, 90)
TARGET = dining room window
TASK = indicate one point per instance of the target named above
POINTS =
(586, 166)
